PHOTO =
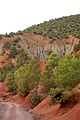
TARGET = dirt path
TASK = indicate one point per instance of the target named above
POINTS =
(11, 111)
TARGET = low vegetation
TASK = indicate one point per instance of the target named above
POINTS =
(47, 78)
(35, 99)
(59, 95)
(59, 76)
(60, 28)
(24, 78)
(67, 75)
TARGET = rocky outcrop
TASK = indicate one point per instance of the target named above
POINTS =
(33, 43)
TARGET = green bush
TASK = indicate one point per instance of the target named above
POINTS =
(77, 47)
(23, 57)
(2, 75)
(3, 71)
(59, 95)
(35, 99)
(11, 34)
(13, 51)
(10, 82)
(67, 73)
(21, 80)
(22, 87)
(47, 78)
(11, 47)
(6, 45)
(27, 77)
(17, 40)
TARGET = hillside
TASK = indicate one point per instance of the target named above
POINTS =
(60, 28)
(40, 71)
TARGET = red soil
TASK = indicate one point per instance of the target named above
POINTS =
(3, 90)
(3, 87)
(3, 60)
(42, 65)
(73, 114)
(26, 103)
(45, 110)
(48, 111)
(17, 99)
(43, 106)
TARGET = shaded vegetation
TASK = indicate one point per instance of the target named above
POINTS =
(77, 47)
(35, 99)
(47, 78)
(59, 95)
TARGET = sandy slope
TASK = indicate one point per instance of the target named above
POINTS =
(73, 114)
(11, 111)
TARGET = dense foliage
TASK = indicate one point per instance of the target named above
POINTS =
(60, 75)
(59, 95)
(60, 28)
(3, 71)
(23, 57)
(11, 47)
(10, 82)
(47, 76)
(27, 77)
(67, 75)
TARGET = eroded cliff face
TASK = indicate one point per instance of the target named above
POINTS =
(32, 42)
(36, 45)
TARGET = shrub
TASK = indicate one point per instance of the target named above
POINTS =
(2, 75)
(59, 95)
(3, 71)
(34, 75)
(35, 99)
(77, 47)
(67, 73)
(21, 80)
(22, 87)
(6, 45)
(47, 76)
(23, 57)
(17, 40)
(10, 82)
(13, 52)
(11, 34)
(27, 77)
